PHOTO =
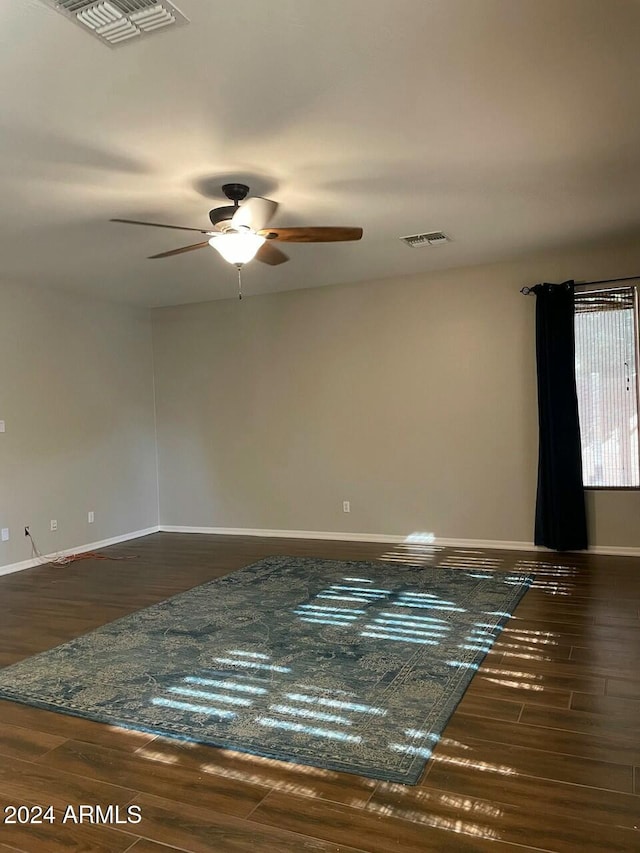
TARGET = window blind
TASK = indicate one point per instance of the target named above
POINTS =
(607, 386)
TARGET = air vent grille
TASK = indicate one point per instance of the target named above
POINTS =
(129, 6)
(153, 19)
(431, 238)
(115, 22)
(73, 5)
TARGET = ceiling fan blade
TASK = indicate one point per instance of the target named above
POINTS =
(159, 225)
(254, 213)
(312, 234)
(270, 254)
(180, 251)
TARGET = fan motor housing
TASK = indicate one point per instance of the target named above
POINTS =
(222, 214)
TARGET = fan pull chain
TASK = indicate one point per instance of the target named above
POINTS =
(239, 267)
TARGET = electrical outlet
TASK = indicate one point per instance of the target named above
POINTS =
(54, 524)
(91, 516)
(5, 534)
(346, 506)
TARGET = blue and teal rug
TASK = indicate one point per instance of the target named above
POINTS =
(352, 666)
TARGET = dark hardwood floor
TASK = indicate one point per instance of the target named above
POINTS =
(543, 752)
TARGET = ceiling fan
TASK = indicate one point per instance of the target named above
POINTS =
(239, 231)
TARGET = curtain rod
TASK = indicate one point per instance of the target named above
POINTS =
(527, 290)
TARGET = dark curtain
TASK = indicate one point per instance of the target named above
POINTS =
(561, 521)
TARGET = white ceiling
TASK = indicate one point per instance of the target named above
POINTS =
(513, 125)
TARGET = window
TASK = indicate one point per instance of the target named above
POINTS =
(606, 325)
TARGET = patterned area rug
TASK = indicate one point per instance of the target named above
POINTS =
(352, 666)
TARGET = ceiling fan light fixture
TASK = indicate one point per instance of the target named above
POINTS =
(237, 248)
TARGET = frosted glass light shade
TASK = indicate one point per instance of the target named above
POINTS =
(237, 248)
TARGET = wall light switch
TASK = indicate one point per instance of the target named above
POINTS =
(5, 534)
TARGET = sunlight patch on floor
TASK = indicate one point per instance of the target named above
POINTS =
(285, 766)
(510, 673)
(463, 827)
(431, 797)
(466, 805)
(258, 779)
(551, 578)
(484, 766)
(525, 656)
(467, 560)
(448, 741)
(418, 549)
(126, 731)
(528, 632)
(520, 647)
(153, 755)
(519, 685)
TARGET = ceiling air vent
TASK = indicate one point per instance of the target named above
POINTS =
(431, 238)
(117, 22)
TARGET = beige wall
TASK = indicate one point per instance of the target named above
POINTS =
(413, 398)
(76, 393)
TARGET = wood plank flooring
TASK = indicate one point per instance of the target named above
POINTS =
(542, 753)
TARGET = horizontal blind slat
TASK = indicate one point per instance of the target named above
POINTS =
(617, 299)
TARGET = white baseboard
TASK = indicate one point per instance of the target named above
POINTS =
(614, 551)
(79, 549)
(491, 544)
(414, 539)
(284, 534)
